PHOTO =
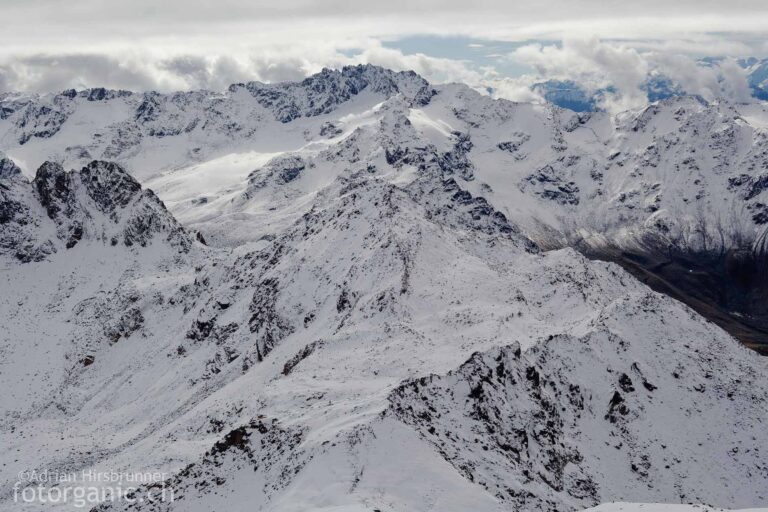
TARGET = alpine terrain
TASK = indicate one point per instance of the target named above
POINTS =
(365, 292)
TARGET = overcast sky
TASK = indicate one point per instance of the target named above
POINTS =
(50, 45)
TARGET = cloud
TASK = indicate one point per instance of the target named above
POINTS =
(514, 89)
(588, 61)
(437, 70)
(178, 45)
(616, 69)
(704, 45)
(40, 22)
(592, 64)
(63, 71)
(723, 78)
(161, 71)
(599, 65)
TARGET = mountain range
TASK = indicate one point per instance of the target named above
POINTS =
(365, 292)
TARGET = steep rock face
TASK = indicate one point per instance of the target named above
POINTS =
(41, 121)
(138, 211)
(101, 202)
(8, 169)
(109, 185)
(23, 226)
(55, 190)
(325, 91)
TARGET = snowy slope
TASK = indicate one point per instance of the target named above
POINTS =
(659, 507)
(154, 131)
(659, 170)
(370, 326)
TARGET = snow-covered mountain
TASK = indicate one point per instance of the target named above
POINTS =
(58, 210)
(356, 293)
(655, 170)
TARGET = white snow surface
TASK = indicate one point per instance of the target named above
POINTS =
(661, 507)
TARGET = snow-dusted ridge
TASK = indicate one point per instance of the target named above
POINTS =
(655, 171)
(99, 203)
(373, 323)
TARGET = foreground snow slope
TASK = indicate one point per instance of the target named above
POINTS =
(660, 507)
(311, 350)
(364, 331)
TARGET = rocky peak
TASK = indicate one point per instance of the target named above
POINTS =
(8, 169)
(101, 93)
(20, 221)
(109, 185)
(101, 202)
(323, 92)
(54, 189)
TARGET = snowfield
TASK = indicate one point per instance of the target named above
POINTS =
(660, 507)
(339, 295)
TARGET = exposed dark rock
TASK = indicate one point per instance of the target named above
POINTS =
(99, 202)
(300, 356)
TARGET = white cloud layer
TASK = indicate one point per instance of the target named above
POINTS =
(597, 65)
(41, 21)
(50, 45)
(149, 70)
